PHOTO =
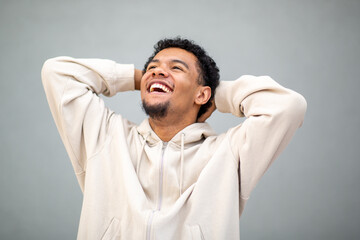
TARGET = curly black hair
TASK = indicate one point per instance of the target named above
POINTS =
(209, 72)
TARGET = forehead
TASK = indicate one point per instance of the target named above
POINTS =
(170, 54)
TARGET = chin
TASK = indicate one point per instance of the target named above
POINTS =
(156, 110)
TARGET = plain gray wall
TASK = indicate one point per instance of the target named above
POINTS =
(311, 46)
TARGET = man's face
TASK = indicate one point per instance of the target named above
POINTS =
(170, 83)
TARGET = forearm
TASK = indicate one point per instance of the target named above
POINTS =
(256, 96)
(100, 75)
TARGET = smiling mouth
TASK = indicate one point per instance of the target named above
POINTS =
(158, 87)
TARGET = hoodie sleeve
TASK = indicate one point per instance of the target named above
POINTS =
(72, 87)
(273, 114)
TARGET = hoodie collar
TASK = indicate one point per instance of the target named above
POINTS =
(193, 133)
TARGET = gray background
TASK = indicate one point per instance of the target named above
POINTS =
(311, 46)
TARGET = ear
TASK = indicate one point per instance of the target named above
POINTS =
(203, 95)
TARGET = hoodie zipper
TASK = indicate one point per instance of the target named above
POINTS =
(160, 196)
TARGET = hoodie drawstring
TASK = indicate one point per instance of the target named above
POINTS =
(181, 163)
(140, 155)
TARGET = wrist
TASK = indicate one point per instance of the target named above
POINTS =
(137, 78)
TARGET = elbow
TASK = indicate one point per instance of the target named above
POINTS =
(52, 67)
(48, 69)
(296, 108)
(51, 75)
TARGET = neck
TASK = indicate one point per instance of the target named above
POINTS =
(166, 128)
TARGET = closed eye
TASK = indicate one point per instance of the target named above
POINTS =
(151, 67)
(177, 68)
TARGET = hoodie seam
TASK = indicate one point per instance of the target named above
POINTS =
(244, 198)
(235, 161)
(108, 139)
(237, 165)
(60, 107)
(108, 136)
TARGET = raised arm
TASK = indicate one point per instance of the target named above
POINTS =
(273, 114)
(72, 87)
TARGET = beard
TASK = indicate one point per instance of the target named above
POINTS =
(157, 111)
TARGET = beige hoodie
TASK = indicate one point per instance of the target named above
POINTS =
(137, 187)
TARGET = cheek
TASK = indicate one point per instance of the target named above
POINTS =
(141, 95)
(186, 93)
(143, 81)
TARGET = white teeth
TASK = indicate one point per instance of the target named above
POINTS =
(160, 86)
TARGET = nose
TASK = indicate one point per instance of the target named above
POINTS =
(159, 71)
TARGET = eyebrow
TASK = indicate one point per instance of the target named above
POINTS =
(181, 62)
(173, 60)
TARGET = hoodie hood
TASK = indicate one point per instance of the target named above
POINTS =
(192, 133)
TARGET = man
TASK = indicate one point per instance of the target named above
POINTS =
(170, 177)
